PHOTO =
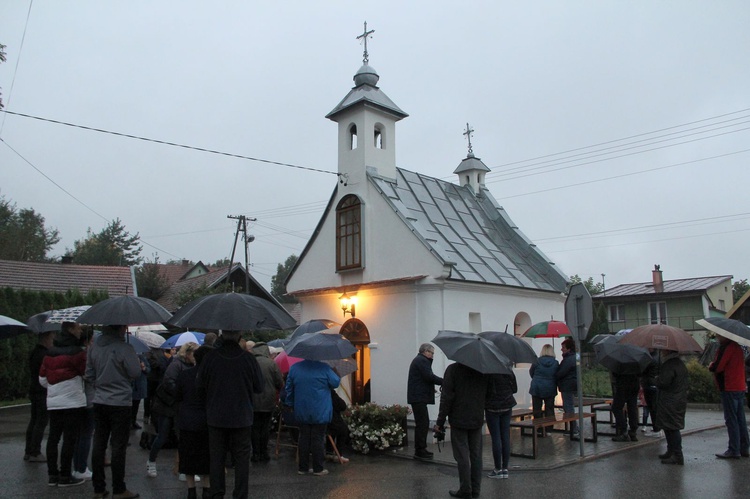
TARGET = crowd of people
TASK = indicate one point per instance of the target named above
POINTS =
(470, 400)
(215, 402)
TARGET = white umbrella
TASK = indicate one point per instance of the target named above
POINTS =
(70, 314)
(153, 340)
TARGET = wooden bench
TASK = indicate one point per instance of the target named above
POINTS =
(549, 421)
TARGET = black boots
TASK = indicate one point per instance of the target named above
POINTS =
(676, 458)
(191, 493)
(622, 437)
(666, 455)
(633, 436)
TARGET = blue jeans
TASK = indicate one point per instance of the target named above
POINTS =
(312, 439)
(734, 417)
(163, 429)
(467, 451)
(499, 425)
(569, 406)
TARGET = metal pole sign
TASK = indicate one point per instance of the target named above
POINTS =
(579, 312)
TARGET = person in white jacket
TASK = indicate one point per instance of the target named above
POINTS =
(62, 375)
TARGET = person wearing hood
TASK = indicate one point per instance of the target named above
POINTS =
(62, 375)
(671, 405)
(543, 388)
(265, 402)
(112, 365)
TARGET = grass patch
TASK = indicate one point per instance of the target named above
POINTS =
(596, 382)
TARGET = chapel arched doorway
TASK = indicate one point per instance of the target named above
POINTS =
(356, 331)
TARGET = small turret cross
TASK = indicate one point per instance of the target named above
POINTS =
(364, 36)
(468, 133)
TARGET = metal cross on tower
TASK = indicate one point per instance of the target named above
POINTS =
(364, 36)
(468, 133)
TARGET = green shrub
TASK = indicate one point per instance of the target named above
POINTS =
(701, 386)
(596, 382)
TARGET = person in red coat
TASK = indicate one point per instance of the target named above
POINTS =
(729, 372)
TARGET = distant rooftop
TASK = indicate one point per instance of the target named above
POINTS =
(691, 285)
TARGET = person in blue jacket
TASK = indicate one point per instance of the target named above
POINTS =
(308, 392)
(543, 388)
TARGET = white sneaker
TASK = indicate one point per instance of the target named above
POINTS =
(182, 477)
(653, 434)
(151, 469)
(85, 475)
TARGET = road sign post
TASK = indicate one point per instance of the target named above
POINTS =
(579, 312)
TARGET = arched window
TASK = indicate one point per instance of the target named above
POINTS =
(378, 137)
(353, 136)
(349, 233)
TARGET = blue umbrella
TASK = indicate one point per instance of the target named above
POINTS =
(181, 338)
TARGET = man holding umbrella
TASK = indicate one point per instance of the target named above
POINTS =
(729, 372)
(227, 378)
(112, 366)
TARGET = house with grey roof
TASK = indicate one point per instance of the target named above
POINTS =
(675, 302)
(63, 277)
(402, 255)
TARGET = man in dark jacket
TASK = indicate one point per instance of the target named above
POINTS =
(226, 379)
(567, 381)
(38, 398)
(462, 403)
(420, 391)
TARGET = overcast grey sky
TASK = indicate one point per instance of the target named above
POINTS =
(663, 87)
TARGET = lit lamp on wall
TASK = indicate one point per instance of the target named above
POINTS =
(348, 304)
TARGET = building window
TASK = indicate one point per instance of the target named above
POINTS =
(349, 234)
(616, 313)
(353, 137)
(657, 312)
(378, 137)
(722, 305)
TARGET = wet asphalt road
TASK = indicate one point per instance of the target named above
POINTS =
(632, 473)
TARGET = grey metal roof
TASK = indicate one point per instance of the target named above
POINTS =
(472, 232)
(366, 91)
(471, 162)
(691, 285)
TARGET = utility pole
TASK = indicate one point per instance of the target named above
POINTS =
(241, 227)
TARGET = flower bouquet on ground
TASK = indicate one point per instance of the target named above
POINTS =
(373, 426)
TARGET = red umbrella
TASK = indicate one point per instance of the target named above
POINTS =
(285, 362)
(547, 329)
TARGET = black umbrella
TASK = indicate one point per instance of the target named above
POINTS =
(125, 310)
(728, 328)
(321, 346)
(620, 358)
(38, 323)
(231, 312)
(473, 351)
(606, 337)
(312, 326)
(516, 349)
(11, 327)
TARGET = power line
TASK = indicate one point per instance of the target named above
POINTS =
(73, 197)
(18, 60)
(541, 166)
(625, 174)
(173, 144)
(642, 228)
(624, 138)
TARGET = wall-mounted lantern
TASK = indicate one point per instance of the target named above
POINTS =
(348, 304)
